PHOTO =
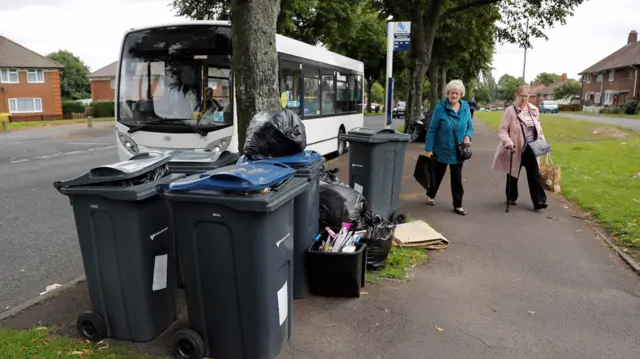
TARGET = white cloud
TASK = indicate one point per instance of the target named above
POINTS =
(597, 29)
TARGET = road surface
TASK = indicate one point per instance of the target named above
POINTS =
(38, 240)
(616, 121)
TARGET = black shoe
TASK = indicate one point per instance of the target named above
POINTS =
(461, 212)
(540, 205)
(511, 202)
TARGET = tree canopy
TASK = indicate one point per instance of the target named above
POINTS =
(568, 90)
(508, 86)
(548, 78)
(74, 81)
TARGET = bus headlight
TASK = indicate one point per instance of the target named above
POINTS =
(219, 145)
(128, 143)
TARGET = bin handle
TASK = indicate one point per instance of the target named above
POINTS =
(191, 185)
(387, 130)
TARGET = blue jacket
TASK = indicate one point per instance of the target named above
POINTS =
(440, 135)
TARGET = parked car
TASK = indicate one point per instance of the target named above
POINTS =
(549, 107)
(398, 111)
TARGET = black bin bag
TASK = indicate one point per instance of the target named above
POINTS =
(275, 134)
(379, 240)
(338, 204)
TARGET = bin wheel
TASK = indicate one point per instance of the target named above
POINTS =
(91, 326)
(187, 344)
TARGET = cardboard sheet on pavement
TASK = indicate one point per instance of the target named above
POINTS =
(419, 234)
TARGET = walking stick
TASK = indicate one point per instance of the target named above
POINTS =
(509, 181)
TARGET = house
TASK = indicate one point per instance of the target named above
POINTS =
(103, 83)
(534, 90)
(613, 80)
(546, 93)
(29, 84)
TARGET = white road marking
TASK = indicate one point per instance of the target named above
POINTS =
(59, 154)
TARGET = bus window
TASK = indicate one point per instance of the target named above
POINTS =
(290, 85)
(311, 92)
(328, 93)
(359, 93)
(346, 84)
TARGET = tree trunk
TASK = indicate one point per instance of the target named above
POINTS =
(443, 81)
(255, 60)
(423, 34)
(434, 72)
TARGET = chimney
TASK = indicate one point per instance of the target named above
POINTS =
(537, 83)
(633, 37)
(564, 77)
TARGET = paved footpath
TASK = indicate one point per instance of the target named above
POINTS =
(516, 285)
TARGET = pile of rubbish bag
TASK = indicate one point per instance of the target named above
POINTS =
(340, 204)
(275, 134)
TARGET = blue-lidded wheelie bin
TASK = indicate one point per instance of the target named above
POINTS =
(234, 231)
(190, 163)
(376, 161)
(127, 246)
(307, 211)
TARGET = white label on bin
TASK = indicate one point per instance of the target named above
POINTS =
(355, 165)
(160, 272)
(282, 240)
(358, 187)
(283, 302)
(158, 233)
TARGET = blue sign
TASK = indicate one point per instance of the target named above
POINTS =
(402, 36)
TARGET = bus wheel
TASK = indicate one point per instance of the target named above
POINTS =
(342, 144)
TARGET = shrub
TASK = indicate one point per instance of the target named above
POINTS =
(638, 109)
(604, 110)
(72, 107)
(630, 107)
(616, 110)
(102, 109)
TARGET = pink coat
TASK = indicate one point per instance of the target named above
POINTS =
(510, 132)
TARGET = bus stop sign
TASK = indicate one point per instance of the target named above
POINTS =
(402, 36)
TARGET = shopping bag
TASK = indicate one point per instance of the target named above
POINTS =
(423, 173)
(550, 174)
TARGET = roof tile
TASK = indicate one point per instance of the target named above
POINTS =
(13, 54)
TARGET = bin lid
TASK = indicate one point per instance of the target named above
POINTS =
(121, 171)
(369, 135)
(194, 162)
(254, 176)
(301, 159)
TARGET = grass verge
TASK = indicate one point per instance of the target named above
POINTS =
(399, 262)
(38, 343)
(21, 125)
(614, 115)
(599, 172)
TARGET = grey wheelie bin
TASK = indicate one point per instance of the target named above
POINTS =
(307, 211)
(234, 230)
(376, 160)
(127, 246)
(190, 163)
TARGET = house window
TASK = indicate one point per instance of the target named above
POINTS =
(598, 96)
(599, 78)
(588, 78)
(213, 83)
(608, 98)
(612, 75)
(19, 105)
(9, 76)
(113, 84)
(35, 76)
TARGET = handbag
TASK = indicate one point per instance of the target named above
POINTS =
(423, 172)
(538, 146)
(463, 152)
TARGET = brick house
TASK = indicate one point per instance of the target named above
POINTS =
(103, 83)
(29, 84)
(546, 93)
(613, 80)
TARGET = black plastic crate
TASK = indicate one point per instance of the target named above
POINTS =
(336, 274)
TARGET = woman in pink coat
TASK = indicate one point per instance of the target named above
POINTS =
(520, 125)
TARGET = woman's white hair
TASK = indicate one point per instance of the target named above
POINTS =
(455, 85)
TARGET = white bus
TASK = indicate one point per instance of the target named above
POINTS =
(175, 90)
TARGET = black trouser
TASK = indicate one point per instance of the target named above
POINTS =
(439, 169)
(472, 113)
(530, 163)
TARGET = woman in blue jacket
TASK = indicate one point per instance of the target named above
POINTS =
(440, 144)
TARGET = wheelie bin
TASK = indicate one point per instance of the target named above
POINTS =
(234, 230)
(307, 211)
(376, 161)
(192, 162)
(127, 246)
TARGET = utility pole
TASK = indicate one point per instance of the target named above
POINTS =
(524, 66)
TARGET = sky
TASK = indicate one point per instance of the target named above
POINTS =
(93, 30)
